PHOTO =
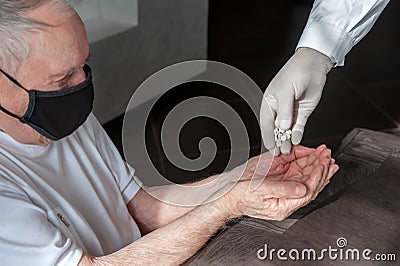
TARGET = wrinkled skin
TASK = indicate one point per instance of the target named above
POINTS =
(311, 167)
(285, 166)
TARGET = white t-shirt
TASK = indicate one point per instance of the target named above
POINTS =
(60, 200)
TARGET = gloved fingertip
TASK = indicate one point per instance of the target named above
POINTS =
(274, 151)
(296, 137)
(296, 142)
(268, 140)
(286, 147)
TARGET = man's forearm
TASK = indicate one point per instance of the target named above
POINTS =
(150, 213)
(171, 244)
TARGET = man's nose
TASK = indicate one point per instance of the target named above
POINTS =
(77, 78)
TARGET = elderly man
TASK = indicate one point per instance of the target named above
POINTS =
(67, 197)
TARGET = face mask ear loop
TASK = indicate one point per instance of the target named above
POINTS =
(13, 80)
(9, 113)
(19, 85)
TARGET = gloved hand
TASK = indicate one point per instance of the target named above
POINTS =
(292, 96)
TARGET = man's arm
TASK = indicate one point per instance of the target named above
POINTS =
(180, 239)
(154, 207)
(151, 213)
(171, 244)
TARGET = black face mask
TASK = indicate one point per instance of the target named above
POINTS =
(56, 114)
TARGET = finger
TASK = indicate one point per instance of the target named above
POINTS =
(277, 177)
(276, 123)
(332, 170)
(321, 182)
(312, 159)
(321, 148)
(297, 136)
(267, 120)
(324, 177)
(286, 147)
(316, 161)
(302, 151)
(325, 162)
(275, 151)
(333, 161)
(308, 170)
(279, 169)
(282, 189)
(298, 129)
(262, 163)
(296, 152)
(331, 173)
(285, 111)
(328, 180)
(287, 157)
(308, 160)
(313, 181)
(326, 153)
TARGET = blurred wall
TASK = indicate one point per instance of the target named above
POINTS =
(167, 32)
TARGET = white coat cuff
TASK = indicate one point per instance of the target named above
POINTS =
(328, 40)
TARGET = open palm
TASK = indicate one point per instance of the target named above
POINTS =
(311, 167)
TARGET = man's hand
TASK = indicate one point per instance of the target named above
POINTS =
(266, 165)
(293, 183)
(292, 96)
(151, 213)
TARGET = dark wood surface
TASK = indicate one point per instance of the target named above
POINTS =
(362, 204)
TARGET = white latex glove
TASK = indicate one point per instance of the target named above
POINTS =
(292, 96)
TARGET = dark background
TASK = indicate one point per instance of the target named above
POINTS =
(258, 37)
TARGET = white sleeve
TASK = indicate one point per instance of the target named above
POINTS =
(26, 235)
(129, 184)
(335, 26)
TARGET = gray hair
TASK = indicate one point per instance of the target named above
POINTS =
(15, 27)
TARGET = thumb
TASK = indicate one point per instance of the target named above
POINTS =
(283, 189)
(285, 111)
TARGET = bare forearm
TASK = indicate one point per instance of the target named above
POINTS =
(151, 213)
(171, 244)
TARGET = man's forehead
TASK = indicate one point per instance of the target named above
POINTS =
(68, 70)
(62, 47)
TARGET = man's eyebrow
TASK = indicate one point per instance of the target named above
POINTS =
(71, 70)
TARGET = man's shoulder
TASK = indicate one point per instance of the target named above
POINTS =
(91, 128)
(90, 137)
(92, 125)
